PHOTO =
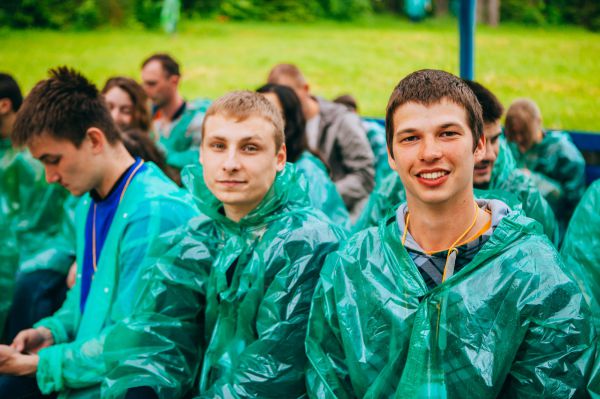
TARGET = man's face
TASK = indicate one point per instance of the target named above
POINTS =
(159, 86)
(483, 169)
(65, 164)
(433, 152)
(120, 106)
(301, 90)
(240, 161)
(521, 133)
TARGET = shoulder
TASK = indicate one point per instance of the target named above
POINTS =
(308, 225)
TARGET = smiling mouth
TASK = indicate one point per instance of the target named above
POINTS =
(432, 175)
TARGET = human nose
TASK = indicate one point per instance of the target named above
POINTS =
(231, 161)
(51, 175)
(115, 114)
(429, 150)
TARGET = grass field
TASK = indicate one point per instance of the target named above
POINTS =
(558, 67)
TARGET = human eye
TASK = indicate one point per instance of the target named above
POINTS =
(408, 139)
(250, 148)
(449, 133)
(127, 110)
(217, 146)
(51, 160)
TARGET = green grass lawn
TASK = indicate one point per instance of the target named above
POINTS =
(558, 67)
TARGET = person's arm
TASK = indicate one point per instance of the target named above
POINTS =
(274, 364)
(159, 346)
(81, 363)
(327, 375)
(557, 353)
(357, 161)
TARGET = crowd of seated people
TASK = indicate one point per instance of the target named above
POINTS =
(271, 243)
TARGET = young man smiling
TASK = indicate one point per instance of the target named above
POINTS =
(494, 176)
(227, 297)
(66, 125)
(449, 297)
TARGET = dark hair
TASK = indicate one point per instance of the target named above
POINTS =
(141, 113)
(430, 86)
(64, 106)
(348, 101)
(169, 65)
(295, 123)
(10, 89)
(139, 144)
(491, 107)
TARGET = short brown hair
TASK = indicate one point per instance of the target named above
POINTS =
(523, 116)
(168, 63)
(288, 70)
(243, 104)
(141, 115)
(64, 106)
(431, 86)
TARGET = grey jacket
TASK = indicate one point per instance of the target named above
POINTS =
(343, 144)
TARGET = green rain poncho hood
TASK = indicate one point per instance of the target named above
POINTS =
(322, 193)
(33, 211)
(507, 184)
(224, 307)
(558, 170)
(151, 205)
(509, 324)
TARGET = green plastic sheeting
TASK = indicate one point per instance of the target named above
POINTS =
(75, 365)
(507, 184)
(181, 139)
(9, 261)
(581, 248)
(225, 305)
(33, 212)
(376, 137)
(509, 324)
(322, 193)
(558, 170)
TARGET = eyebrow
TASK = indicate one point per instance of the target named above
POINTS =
(44, 157)
(443, 126)
(247, 138)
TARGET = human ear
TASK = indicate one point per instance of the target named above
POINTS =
(281, 158)
(96, 138)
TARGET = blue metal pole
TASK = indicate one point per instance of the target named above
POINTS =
(467, 38)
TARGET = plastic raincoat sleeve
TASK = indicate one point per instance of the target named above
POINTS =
(80, 363)
(580, 249)
(162, 341)
(274, 365)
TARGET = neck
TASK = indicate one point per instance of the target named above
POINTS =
(118, 160)
(169, 109)
(6, 125)
(236, 213)
(436, 227)
(312, 108)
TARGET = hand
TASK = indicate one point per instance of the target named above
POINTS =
(32, 340)
(72, 274)
(14, 363)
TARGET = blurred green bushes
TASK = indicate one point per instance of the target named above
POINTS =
(89, 14)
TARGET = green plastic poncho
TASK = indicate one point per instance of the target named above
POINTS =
(9, 260)
(508, 184)
(75, 365)
(376, 136)
(322, 192)
(33, 211)
(227, 302)
(181, 138)
(169, 15)
(558, 170)
(581, 248)
(510, 324)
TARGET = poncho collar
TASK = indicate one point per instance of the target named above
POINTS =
(288, 188)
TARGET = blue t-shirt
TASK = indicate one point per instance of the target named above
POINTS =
(105, 213)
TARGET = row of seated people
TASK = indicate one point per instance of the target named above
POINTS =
(208, 291)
